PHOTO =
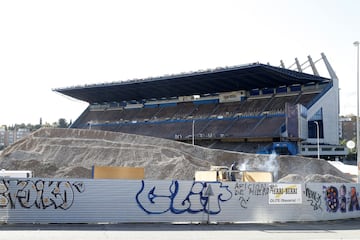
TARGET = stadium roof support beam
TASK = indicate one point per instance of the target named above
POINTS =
(282, 64)
(298, 65)
(313, 67)
(329, 68)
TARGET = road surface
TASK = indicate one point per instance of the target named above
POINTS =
(329, 230)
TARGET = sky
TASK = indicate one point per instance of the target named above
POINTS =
(46, 45)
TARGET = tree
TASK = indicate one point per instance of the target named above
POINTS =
(62, 123)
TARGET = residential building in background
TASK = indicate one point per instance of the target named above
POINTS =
(8, 137)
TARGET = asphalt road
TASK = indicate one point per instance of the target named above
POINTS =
(329, 230)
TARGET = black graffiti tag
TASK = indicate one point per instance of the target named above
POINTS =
(245, 190)
(314, 198)
(243, 201)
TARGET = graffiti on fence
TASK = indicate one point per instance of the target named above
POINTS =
(314, 198)
(245, 190)
(341, 199)
(15, 193)
(175, 199)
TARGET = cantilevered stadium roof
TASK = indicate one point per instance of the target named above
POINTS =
(245, 77)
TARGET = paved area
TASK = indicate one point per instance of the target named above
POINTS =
(339, 229)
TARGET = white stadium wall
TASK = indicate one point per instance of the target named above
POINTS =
(123, 201)
(329, 102)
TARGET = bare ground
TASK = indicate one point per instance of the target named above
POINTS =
(71, 153)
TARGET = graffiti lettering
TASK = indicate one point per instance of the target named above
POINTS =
(354, 202)
(243, 201)
(314, 198)
(331, 199)
(258, 189)
(38, 194)
(240, 188)
(245, 190)
(254, 189)
(156, 200)
(341, 199)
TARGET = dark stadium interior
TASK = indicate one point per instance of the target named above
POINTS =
(255, 119)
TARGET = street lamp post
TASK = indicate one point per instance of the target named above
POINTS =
(356, 44)
(193, 132)
(195, 97)
(318, 140)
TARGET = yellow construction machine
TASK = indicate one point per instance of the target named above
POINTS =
(224, 174)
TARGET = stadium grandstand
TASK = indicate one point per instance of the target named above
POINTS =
(254, 108)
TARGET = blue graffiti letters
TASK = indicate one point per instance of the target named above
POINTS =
(354, 202)
(342, 193)
(173, 198)
(332, 201)
(341, 199)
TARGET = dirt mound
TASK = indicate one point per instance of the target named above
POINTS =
(296, 178)
(71, 153)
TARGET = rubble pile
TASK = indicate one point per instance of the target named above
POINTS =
(71, 153)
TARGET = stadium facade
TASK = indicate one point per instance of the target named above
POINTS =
(255, 108)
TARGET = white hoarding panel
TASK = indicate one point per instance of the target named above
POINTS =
(120, 201)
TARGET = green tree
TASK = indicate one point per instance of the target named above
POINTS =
(62, 123)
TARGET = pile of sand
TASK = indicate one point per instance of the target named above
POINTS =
(71, 153)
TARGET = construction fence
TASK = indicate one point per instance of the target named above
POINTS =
(36, 200)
